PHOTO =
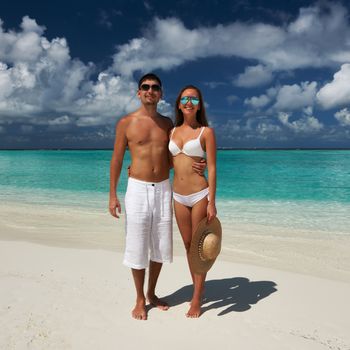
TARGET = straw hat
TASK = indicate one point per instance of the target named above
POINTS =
(205, 245)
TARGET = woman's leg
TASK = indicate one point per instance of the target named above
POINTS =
(183, 219)
(199, 211)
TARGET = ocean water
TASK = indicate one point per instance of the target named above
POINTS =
(299, 189)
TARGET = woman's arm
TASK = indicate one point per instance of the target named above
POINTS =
(210, 147)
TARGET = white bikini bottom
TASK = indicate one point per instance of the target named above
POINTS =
(191, 199)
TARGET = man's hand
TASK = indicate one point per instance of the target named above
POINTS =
(114, 204)
(199, 167)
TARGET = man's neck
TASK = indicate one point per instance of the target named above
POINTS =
(150, 110)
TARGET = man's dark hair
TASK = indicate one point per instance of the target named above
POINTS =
(150, 76)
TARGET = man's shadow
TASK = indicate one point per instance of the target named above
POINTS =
(235, 294)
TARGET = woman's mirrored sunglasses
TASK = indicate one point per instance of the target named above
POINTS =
(194, 100)
(146, 87)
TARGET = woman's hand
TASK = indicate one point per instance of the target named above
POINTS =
(211, 211)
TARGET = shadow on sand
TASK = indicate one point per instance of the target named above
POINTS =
(234, 294)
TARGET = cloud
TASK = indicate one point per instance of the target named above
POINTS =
(257, 102)
(40, 82)
(291, 97)
(148, 6)
(285, 98)
(249, 132)
(104, 19)
(306, 124)
(343, 117)
(337, 92)
(265, 129)
(63, 120)
(318, 37)
(231, 99)
(254, 76)
(214, 84)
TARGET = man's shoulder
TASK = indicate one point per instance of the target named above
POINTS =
(127, 119)
(167, 120)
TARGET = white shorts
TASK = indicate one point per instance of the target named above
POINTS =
(148, 212)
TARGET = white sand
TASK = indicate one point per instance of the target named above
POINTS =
(60, 295)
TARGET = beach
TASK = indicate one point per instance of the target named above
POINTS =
(63, 286)
(281, 281)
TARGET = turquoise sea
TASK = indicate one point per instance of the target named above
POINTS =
(301, 189)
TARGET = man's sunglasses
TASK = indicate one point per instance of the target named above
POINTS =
(146, 87)
(185, 99)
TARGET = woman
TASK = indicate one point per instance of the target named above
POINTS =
(194, 196)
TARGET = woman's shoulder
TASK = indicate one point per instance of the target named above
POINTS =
(208, 130)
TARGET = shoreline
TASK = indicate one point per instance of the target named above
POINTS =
(302, 251)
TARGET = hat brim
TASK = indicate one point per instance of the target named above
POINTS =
(197, 264)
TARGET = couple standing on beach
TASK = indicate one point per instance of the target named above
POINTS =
(155, 146)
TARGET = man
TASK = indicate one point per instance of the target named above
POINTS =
(148, 208)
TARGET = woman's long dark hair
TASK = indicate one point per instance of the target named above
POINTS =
(200, 116)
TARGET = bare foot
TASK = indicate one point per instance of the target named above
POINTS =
(155, 301)
(139, 311)
(195, 309)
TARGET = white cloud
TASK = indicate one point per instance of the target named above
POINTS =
(167, 109)
(267, 129)
(291, 97)
(249, 130)
(257, 102)
(308, 110)
(63, 120)
(337, 92)
(343, 117)
(286, 98)
(306, 124)
(107, 98)
(39, 82)
(318, 37)
(254, 76)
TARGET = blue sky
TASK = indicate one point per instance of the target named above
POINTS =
(273, 74)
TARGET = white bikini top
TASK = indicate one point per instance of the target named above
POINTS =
(191, 148)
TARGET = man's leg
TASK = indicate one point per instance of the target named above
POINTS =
(139, 312)
(154, 271)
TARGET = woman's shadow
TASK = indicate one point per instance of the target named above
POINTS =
(235, 294)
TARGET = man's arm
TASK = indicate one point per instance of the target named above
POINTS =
(116, 166)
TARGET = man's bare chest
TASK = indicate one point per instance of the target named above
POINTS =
(146, 134)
